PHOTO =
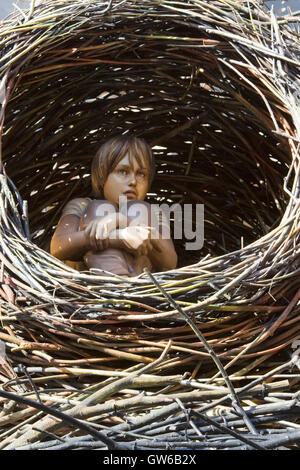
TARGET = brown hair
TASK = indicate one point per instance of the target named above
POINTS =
(112, 151)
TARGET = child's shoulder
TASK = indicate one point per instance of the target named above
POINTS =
(76, 206)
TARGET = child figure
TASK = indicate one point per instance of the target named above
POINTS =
(115, 232)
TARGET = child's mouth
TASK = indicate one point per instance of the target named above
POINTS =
(130, 193)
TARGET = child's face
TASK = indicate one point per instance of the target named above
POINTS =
(127, 179)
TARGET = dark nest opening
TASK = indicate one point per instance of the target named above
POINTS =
(214, 88)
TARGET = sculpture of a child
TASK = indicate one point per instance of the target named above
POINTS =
(116, 232)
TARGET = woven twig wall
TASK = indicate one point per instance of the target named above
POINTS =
(213, 86)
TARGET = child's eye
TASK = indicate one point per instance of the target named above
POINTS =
(141, 174)
(122, 171)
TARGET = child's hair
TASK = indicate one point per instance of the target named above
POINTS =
(112, 151)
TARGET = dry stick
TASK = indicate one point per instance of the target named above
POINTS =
(201, 330)
(165, 412)
(153, 402)
(252, 384)
(24, 370)
(66, 418)
(12, 433)
(188, 419)
(146, 418)
(96, 396)
(110, 389)
(226, 429)
(283, 316)
(291, 407)
(241, 353)
(235, 400)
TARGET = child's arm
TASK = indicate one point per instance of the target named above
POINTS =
(114, 230)
(142, 240)
(98, 230)
(71, 243)
(68, 243)
(160, 248)
(81, 228)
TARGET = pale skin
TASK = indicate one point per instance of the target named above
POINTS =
(111, 241)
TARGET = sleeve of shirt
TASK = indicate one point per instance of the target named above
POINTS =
(76, 207)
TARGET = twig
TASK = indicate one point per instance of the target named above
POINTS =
(65, 418)
(23, 369)
(235, 400)
(228, 430)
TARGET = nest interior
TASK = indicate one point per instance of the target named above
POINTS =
(212, 87)
(196, 96)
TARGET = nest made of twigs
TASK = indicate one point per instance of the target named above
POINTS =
(214, 88)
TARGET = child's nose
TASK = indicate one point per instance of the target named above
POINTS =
(132, 178)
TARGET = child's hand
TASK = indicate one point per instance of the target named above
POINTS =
(136, 239)
(97, 231)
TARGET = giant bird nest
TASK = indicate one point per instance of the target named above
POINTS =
(213, 86)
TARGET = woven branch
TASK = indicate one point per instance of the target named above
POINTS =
(213, 86)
